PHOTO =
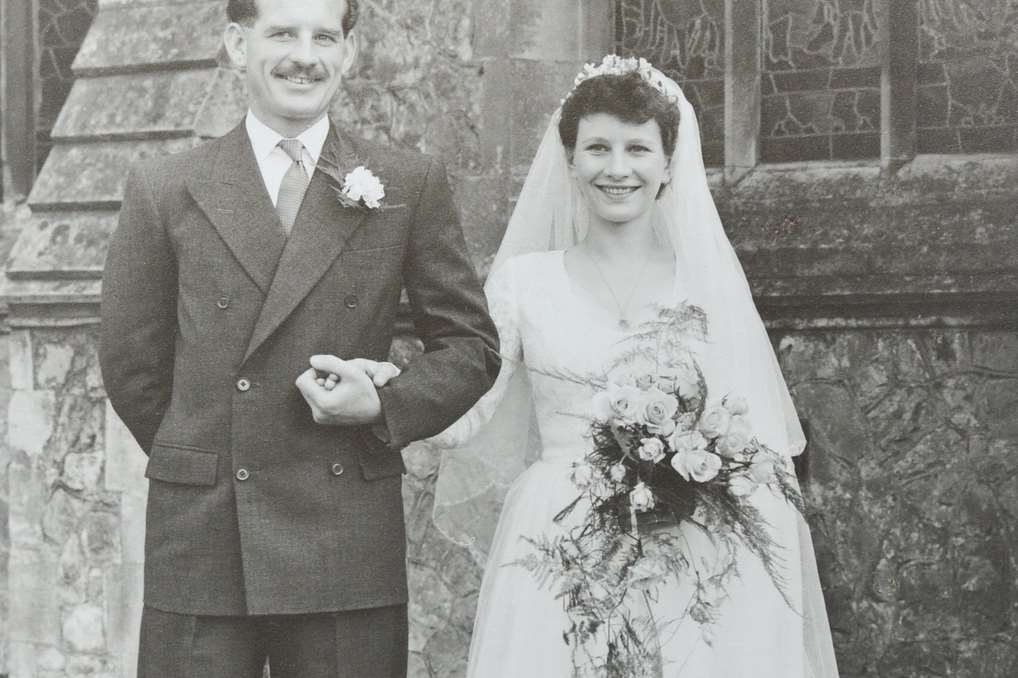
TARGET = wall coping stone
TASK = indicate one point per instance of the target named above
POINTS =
(848, 244)
(874, 257)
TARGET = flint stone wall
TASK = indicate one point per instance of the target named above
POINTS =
(892, 306)
(913, 495)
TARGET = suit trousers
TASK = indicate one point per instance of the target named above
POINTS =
(370, 643)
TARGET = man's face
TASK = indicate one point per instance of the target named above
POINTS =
(294, 56)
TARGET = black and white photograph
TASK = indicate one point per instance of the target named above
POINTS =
(509, 339)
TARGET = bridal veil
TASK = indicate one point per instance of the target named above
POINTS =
(550, 215)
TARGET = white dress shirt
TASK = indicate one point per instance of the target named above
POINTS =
(273, 162)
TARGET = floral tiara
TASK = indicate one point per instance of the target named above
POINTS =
(613, 64)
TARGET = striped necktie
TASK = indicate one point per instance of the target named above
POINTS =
(295, 182)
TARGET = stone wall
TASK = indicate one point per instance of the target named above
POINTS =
(913, 488)
(77, 491)
(7, 236)
(891, 300)
(67, 565)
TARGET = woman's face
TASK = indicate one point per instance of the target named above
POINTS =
(619, 166)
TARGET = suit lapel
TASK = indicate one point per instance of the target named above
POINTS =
(234, 199)
(322, 228)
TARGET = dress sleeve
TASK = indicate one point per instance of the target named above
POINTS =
(500, 291)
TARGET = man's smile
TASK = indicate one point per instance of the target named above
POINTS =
(298, 79)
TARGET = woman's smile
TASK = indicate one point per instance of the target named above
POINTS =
(617, 192)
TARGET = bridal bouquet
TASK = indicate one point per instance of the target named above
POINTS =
(665, 458)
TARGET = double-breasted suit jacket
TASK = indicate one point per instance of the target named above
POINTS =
(209, 314)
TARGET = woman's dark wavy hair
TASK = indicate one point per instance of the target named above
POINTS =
(628, 97)
(246, 11)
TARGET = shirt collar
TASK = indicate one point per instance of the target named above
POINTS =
(264, 139)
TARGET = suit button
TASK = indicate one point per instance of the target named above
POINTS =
(242, 474)
(223, 303)
(351, 301)
(337, 469)
(243, 385)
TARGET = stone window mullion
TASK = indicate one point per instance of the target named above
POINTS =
(19, 93)
(743, 34)
(898, 85)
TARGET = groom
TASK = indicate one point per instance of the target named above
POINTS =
(275, 520)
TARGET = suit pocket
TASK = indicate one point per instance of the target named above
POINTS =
(182, 465)
(382, 464)
(383, 228)
(377, 460)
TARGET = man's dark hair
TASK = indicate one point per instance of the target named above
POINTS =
(628, 97)
(246, 11)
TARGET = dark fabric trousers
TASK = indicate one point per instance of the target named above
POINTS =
(368, 643)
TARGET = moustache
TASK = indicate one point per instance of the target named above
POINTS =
(297, 71)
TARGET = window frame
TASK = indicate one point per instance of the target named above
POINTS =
(17, 29)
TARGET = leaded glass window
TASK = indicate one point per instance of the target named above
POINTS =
(820, 85)
(61, 26)
(967, 98)
(685, 40)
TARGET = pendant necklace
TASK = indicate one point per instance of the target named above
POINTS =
(622, 308)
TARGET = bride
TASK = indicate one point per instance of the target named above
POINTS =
(614, 222)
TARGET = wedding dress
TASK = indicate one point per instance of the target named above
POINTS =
(556, 334)
(521, 440)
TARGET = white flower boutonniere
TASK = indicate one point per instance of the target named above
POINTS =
(361, 187)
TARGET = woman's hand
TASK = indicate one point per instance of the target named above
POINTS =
(380, 372)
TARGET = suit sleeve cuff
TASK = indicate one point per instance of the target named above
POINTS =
(381, 432)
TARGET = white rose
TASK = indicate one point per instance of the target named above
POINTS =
(741, 485)
(699, 465)
(641, 497)
(737, 405)
(715, 421)
(582, 475)
(762, 471)
(652, 450)
(736, 438)
(617, 402)
(681, 379)
(688, 441)
(658, 409)
(688, 382)
(618, 472)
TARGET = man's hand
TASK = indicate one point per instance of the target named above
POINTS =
(380, 372)
(348, 396)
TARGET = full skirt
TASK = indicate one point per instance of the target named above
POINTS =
(519, 628)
